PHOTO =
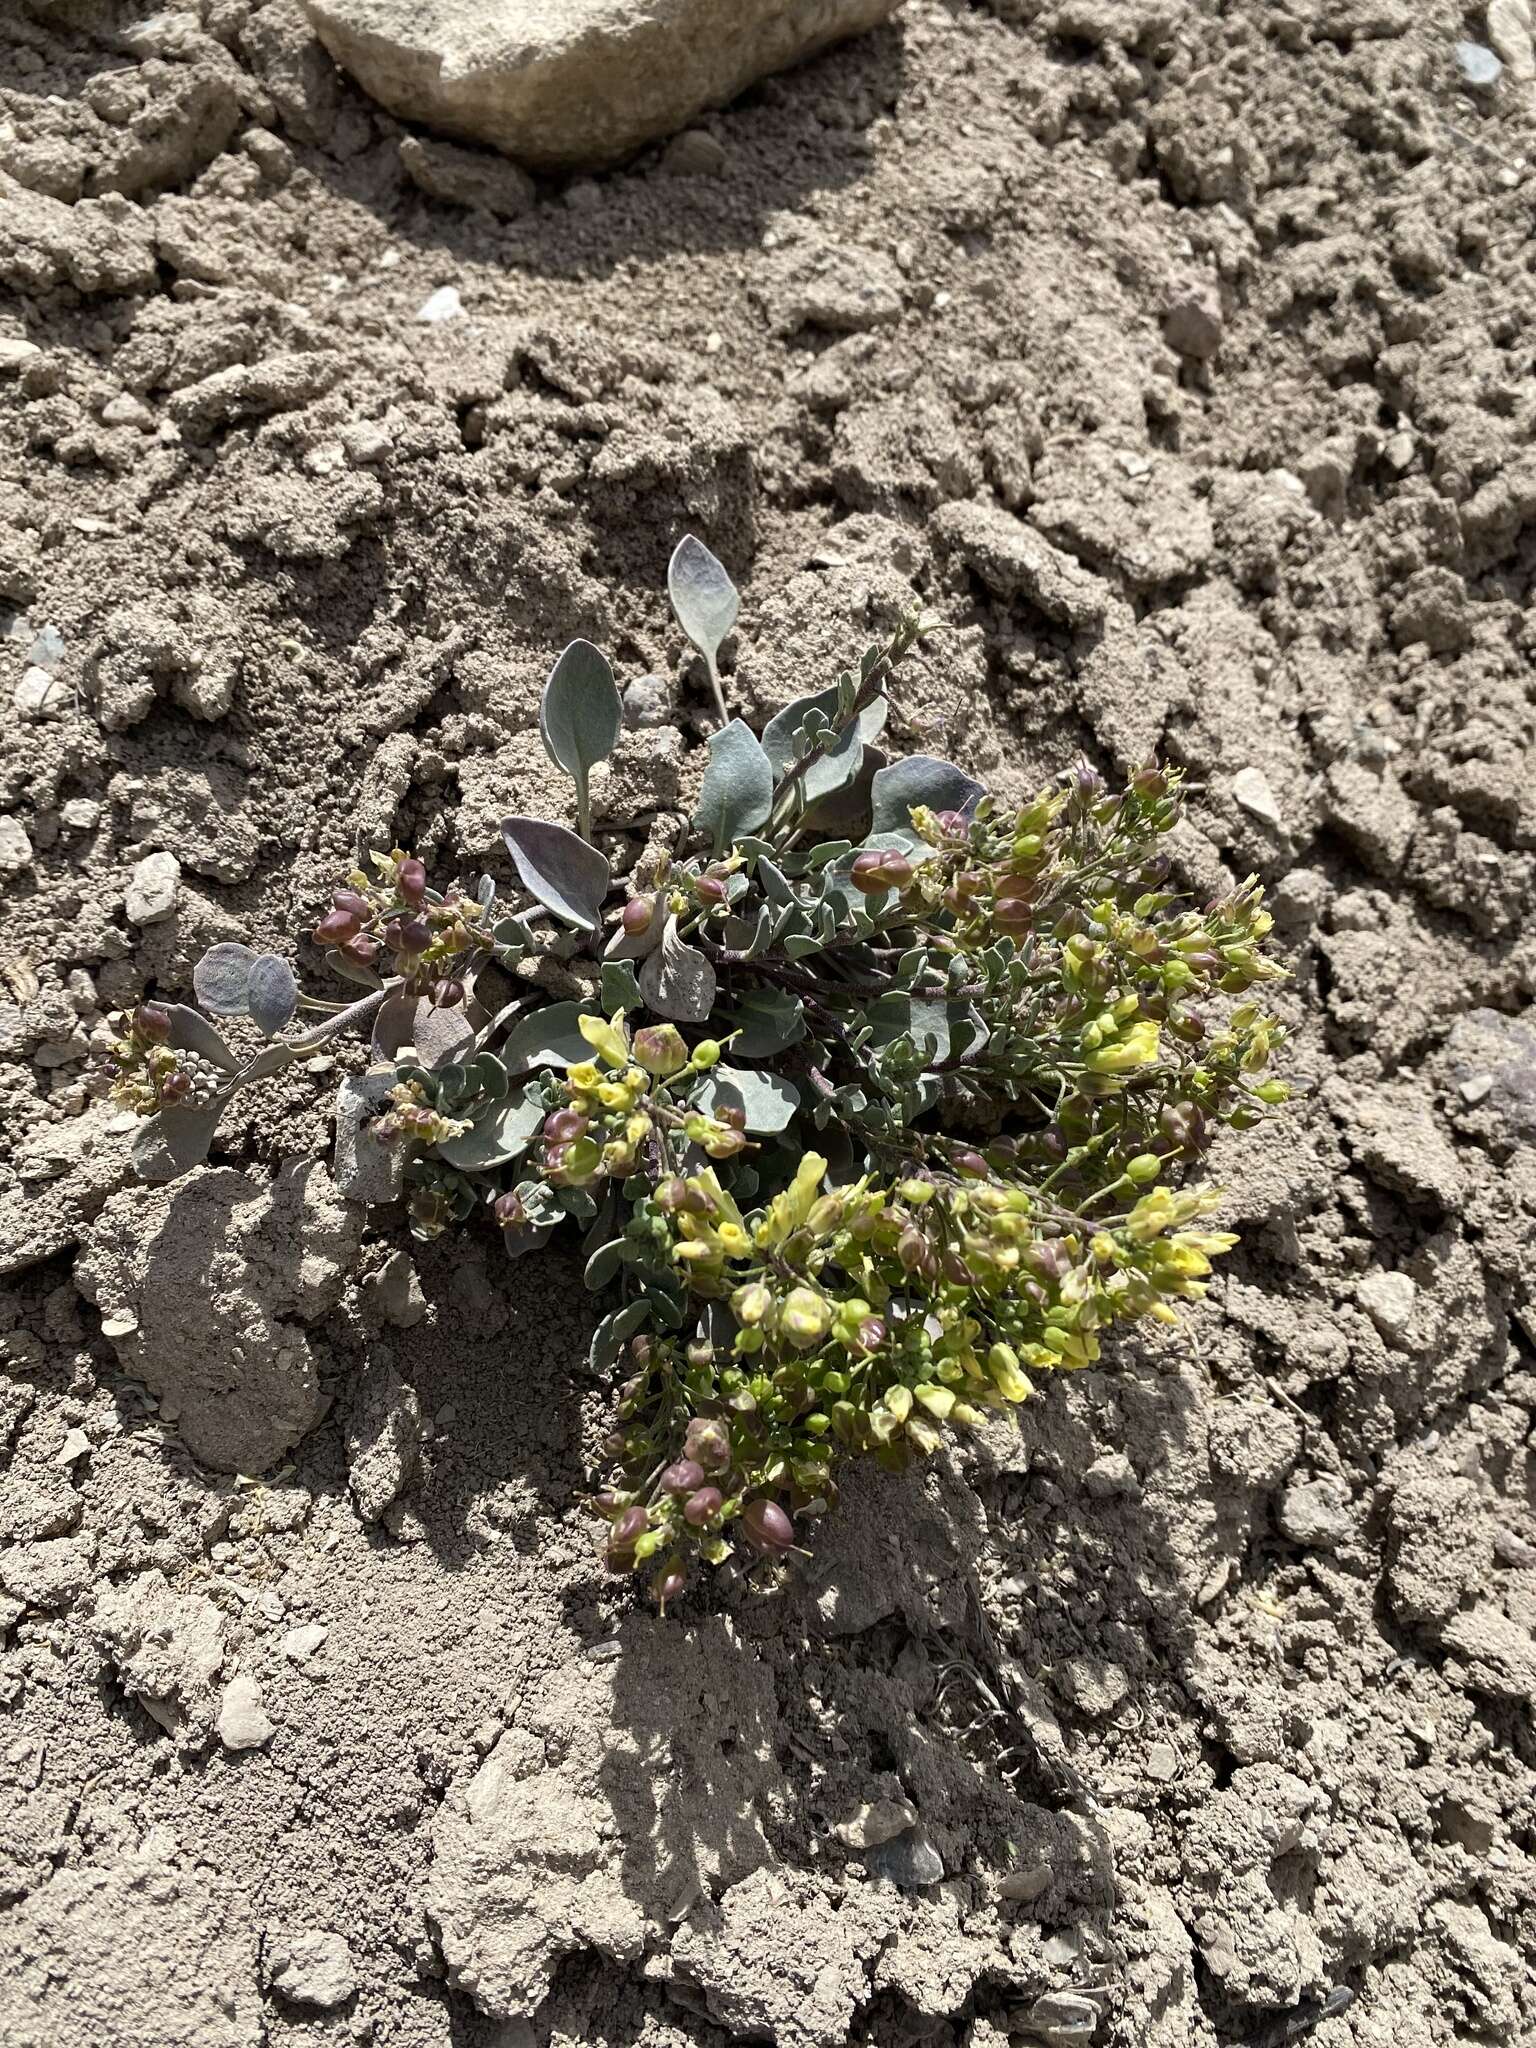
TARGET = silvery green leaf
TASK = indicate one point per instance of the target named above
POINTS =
(614, 1332)
(487, 1076)
(352, 970)
(847, 812)
(619, 988)
(221, 979)
(512, 935)
(394, 1025)
(498, 1132)
(775, 887)
(485, 891)
(568, 876)
(703, 595)
(823, 856)
(841, 762)
(768, 1020)
(924, 1021)
(191, 1032)
(549, 1037)
(898, 790)
(737, 794)
(272, 995)
(768, 1100)
(677, 981)
(604, 1264)
(172, 1143)
(579, 713)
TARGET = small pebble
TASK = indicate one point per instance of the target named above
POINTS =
(444, 304)
(879, 1821)
(76, 1445)
(909, 1860)
(1475, 1089)
(14, 351)
(301, 1643)
(1477, 64)
(1389, 1300)
(243, 1721)
(15, 846)
(1251, 790)
(153, 889)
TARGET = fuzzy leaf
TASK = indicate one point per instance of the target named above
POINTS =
(568, 876)
(604, 1264)
(172, 1143)
(840, 764)
(924, 1020)
(703, 595)
(579, 714)
(498, 1132)
(918, 779)
(770, 1101)
(768, 1020)
(619, 988)
(738, 785)
(191, 1032)
(272, 995)
(677, 981)
(221, 979)
(614, 1332)
(550, 1037)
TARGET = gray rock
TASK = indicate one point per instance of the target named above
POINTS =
(909, 1860)
(365, 1170)
(383, 1439)
(467, 177)
(1192, 323)
(167, 1649)
(1316, 1512)
(1389, 1300)
(15, 845)
(243, 1721)
(396, 1293)
(310, 1967)
(842, 287)
(647, 703)
(572, 82)
(152, 889)
(879, 1821)
(1016, 562)
(1251, 791)
(1477, 64)
(1064, 2018)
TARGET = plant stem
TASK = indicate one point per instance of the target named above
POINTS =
(583, 806)
(714, 684)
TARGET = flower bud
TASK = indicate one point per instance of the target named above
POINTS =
(352, 903)
(447, 994)
(971, 1163)
(953, 824)
(702, 1507)
(685, 1476)
(637, 915)
(659, 1050)
(767, 1528)
(630, 1526)
(414, 936)
(176, 1086)
(509, 1211)
(152, 1023)
(363, 950)
(805, 1316)
(700, 1354)
(411, 880)
(670, 1584)
(708, 1442)
(710, 889)
(336, 928)
(869, 876)
(872, 1332)
(750, 1304)
(564, 1125)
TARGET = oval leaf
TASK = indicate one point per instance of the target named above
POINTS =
(614, 1332)
(579, 713)
(568, 876)
(703, 596)
(897, 791)
(498, 1132)
(175, 1141)
(768, 1100)
(221, 979)
(677, 981)
(272, 995)
(551, 1037)
(738, 785)
(766, 1021)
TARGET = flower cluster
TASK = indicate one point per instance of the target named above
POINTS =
(394, 923)
(144, 1073)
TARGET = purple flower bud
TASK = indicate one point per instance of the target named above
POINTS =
(628, 1529)
(638, 912)
(971, 1163)
(335, 928)
(710, 889)
(685, 1476)
(872, 1332)
(953, 824)
(414, 936)
(152, 1023)
(412, 880)
(448, 993)
(703, 1506)
(353, 904)
(669, 1585)
(708, 1442)
(767, 1528)
(362, 949)
(563, 1126)
(176, 1087)
(509, 1211)
(868, 874)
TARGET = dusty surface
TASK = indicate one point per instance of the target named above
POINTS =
(1180, 355)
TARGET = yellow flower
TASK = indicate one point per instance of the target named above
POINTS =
(786, 1212)
(1138, 1047)
(606, 1039)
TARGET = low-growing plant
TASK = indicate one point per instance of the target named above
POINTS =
(877, 1096)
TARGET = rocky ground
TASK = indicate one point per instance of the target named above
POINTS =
(1180, 355)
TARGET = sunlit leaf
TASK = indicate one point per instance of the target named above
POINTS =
(550, 1037)
(768, 1100)
(498, 1132)
(898, 790)
(273, 994)
(568, 876)
(677, 981)
(579, 713)
(738, 785)
(221, 979)
(703, 596)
